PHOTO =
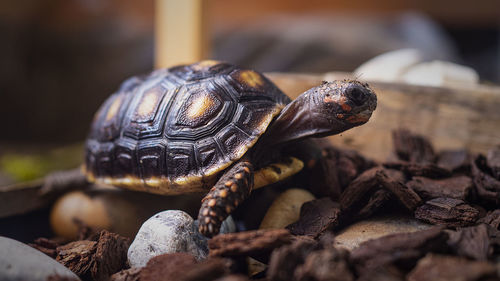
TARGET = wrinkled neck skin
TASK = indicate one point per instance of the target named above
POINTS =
(305, 117)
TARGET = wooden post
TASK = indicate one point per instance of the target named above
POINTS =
(179, 32)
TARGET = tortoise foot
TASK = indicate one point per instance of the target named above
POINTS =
(231, 189)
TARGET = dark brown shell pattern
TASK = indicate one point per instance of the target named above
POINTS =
(174, 130)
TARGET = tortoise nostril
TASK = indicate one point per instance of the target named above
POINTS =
(357, 95)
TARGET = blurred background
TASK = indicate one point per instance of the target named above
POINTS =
(60, 59)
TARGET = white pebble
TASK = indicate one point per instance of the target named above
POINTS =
(19, 261)
(170, 231)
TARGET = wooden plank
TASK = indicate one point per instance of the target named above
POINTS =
(451, 118)
(22, 198)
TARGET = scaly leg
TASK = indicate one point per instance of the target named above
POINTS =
(231, 189)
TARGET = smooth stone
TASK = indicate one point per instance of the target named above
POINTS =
(285, 209)
(441, 74)
(171, 231)
(119, 211)
(21, 262)
(352, 236)
(388, 66)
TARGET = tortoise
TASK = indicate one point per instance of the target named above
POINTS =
(206, 127)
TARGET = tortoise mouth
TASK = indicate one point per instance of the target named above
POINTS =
(361, 117)
(360, 114)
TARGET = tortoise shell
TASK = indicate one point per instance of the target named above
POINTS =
(174, 130)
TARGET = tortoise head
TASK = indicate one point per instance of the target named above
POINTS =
(341, 105)
(325, 110)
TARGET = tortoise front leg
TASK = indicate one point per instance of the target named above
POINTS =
(231, 189)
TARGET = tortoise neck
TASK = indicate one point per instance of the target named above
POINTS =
(297, 121)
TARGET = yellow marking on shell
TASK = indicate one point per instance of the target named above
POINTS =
(163, 185)
(205, 64)
(251, 78)
(194, 183)
(157, 185)
(153, 182)
(242, 149)
(268, 175)
(199, 106)
(265, 121)
(216, 169)
(113, 109)
(148, 104)
(238, 176)
(182, 180)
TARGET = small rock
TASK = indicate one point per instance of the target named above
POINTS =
(119, 211)
(355, 234)
(22, 262)
(227, 226)
(78, 206)
(441, 74)
(168, 232)
(286, 208)
(388, 66)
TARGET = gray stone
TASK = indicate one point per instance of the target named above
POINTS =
(228, 225)
(19, 261)
(170, 231)
(353, 235)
